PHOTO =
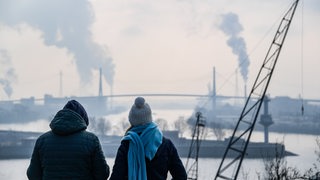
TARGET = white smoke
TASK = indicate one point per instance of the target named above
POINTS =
(231, 27)
(65, 24)
(7, 73)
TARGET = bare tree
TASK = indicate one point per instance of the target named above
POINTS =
(217, 130)
(276, 168)
(124, 125)
(101, 126)
(318, 150)
(181, 125)
(162, 123)
(92, 124)
(314, 172)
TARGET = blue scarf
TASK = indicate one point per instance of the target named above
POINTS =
(145, 145)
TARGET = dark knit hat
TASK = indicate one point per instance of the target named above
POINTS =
(78, 108)
(140, 112)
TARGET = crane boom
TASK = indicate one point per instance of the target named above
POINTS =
(249, 114)
(197, 136)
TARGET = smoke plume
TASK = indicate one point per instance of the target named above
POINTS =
(8, 73)
(65, 24)
(231, 27)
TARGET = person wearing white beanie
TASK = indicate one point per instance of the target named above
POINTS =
(144, 153)
(140, 112)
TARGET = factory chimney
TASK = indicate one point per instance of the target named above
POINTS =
(214, 94)
(100, 82)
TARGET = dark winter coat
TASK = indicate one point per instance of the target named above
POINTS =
(68, 151)
(166, 160)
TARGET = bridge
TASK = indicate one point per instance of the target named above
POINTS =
(147, 95)
(28, 108)
(129, 95)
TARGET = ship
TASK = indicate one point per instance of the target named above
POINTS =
(19, 145)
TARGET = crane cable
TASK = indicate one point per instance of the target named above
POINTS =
(302, 32)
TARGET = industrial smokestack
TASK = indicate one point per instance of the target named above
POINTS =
(100, 82)
(245, 93)
(214, 93)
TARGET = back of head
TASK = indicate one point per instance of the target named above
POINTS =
(140, 112)
(78, 108)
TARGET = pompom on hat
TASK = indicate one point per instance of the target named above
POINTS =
(140, 112)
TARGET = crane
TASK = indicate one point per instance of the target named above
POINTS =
(249, 114)
(197, 136)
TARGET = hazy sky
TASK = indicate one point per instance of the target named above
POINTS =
(167, 46)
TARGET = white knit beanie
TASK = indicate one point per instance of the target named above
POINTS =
(140, 112)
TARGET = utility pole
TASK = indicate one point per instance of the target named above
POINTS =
(100, 82)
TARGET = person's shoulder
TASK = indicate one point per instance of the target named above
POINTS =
(167, 143)
(89, 134)
(125, 143)
(166, 140)
(166, 148)
(89, 138)
(45, 135)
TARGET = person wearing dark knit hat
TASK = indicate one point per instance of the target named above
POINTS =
(70, 146)
(144, 152)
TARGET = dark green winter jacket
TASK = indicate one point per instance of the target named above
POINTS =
(68, 151)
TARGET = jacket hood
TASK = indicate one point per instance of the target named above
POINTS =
(67, 122)
(78, 108)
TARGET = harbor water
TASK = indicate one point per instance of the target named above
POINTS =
(302, 145)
